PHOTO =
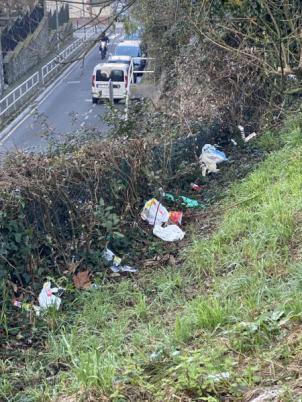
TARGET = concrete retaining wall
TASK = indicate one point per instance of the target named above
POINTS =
(27, 54)
(31, 52)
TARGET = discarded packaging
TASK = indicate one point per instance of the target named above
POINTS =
(122, 268)
(196, 187)
(188, 202)
(109, 256)
(219, 377)
(47, 298)
(116, 266)
(244, 137)
(17, 303)
(176, 217)
(154, 212)
(209, 158)
(168, 233)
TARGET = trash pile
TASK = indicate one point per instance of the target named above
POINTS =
(166, 225)
(209, 159)
(158, 217)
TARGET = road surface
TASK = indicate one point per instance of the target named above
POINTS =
(66, 109)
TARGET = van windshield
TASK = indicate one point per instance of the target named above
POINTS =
(115, 75)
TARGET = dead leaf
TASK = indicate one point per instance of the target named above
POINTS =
(172, 260)
(82, 280)
(73, 265)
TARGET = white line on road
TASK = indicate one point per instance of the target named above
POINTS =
(73, 82)
(86, 117)
(90, 110)
(83, 124)
(88, 100)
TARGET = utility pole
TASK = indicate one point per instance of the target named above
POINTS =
(57, 25)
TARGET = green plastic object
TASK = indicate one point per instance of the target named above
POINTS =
(188, 202)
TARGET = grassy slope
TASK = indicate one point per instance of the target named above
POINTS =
(226, 323)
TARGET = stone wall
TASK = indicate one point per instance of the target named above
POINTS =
(33, 51)
(1, 73)
(27, 54)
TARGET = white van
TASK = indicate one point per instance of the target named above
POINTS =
(118, 73)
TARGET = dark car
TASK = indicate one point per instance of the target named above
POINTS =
(133, 49)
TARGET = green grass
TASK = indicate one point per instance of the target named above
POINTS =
(221, 325)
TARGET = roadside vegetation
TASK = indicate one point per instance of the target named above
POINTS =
(221, 324)
(216, 317)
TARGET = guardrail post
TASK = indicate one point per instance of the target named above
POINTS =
(41, 78)
(111, 91)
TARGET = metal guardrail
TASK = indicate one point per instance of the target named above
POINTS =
(55, 62)
(10, 100)
(131, 73)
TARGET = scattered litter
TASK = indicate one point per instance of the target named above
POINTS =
(122, 268)
(109, 256)
(188, 202)
(196, 187)
(219, 377)
(176, 217)
(209, 158)
(168, 233)
(249, 137)
(116, 266)
(47, 298)
(94, 286)
(292, 77)
(82, 280)
(37, 310)
(234, 142)
(17, 303)
(269, 395)
(27, 306)
(154, 212)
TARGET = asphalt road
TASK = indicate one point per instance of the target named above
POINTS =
(66, 109)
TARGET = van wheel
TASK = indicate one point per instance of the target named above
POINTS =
(94, 100)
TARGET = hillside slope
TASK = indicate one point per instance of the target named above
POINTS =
(224, 325)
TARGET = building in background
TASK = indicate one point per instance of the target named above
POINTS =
(84, 10)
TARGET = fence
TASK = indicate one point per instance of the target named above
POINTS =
(11, 100)
(132, 73)
(56, 62)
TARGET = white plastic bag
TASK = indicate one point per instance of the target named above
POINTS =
(154, 212)
(168, 233)
(47, 298)
(209, 158)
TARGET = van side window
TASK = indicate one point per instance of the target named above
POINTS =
(117, 75)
